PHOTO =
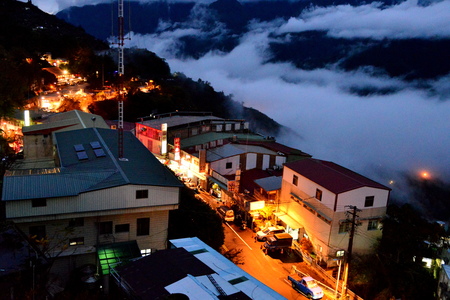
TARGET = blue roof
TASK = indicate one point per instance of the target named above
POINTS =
(94, 169)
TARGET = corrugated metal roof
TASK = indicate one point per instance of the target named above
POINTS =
(177, 120)
(331, 176)
(229, 272)
(272, 183)
(94, 172)
(74, 119)
(229, 150)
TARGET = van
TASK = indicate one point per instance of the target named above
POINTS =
(226, 213)
(263, 234)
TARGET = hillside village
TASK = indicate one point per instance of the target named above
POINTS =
(80, 204)
(83, 205)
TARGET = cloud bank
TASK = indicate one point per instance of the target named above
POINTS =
(378, 136)
(405, 20)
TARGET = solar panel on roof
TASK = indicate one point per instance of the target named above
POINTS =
(99, 152)
(82, 155)
(95, 145)
(78, 147)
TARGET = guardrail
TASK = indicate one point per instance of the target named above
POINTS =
(327, 277)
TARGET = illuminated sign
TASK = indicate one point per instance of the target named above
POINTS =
(176, 142)
(164, 139)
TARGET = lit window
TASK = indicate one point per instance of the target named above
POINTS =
(344, 227)
(76, 241)
(318, 194)
(373, 225)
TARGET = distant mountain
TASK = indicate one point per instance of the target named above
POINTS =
(224, 22)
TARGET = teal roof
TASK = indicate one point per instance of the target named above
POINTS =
(85, 170)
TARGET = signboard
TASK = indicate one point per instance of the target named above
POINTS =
(164, 139)
(202, 160)
(176, 144)
(231, 186)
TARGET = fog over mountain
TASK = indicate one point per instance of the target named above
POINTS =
(378, 121)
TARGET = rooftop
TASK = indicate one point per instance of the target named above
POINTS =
(89, 161)
(331, 176)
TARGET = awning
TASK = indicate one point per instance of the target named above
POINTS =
(110, 255)
(291, 222)
(221, 185)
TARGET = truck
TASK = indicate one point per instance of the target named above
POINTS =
(307, 286)
(226, 213)
(279, 241)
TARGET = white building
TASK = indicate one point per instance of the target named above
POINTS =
(90, 198)
(315, 198)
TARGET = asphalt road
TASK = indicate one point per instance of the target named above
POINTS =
(270, 269)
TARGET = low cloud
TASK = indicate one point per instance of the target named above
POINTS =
(405, 20)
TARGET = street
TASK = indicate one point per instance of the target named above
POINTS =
(270, 269)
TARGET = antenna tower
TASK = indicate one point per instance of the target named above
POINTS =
(121, 72)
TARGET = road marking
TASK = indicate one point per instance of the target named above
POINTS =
(239, 236)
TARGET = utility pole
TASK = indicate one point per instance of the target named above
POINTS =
(353, 221)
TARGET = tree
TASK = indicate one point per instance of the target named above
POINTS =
(396, 268)
(196, 218)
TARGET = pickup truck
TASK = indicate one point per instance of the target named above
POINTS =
(307, 286)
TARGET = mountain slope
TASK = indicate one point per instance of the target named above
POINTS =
(220, 26)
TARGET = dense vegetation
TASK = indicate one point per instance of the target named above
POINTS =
(194, 218)
(396, 270)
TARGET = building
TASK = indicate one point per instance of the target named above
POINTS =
(90, 198)
(315, 198)
(189, 268)
(38, 139)
(444, 283)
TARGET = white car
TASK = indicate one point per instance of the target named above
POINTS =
(263, 234)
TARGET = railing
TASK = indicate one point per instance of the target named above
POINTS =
(331, 281)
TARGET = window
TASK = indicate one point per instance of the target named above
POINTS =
(344, 227)
(143, 226)
(369, 201)
(39, 202)
(318, 194)
(105, 227)
(37, 232)
(295, 180)
(373, 225)
(141, 194)
(229, 165)
(122, 228)
(76, 222)
(76, 241)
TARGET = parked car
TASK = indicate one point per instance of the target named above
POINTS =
(226, 213)
(307, 286)
(263, 234)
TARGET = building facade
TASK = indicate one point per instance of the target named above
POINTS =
(317, 200)
(91, 198)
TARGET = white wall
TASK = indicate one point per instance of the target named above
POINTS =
(123, 197)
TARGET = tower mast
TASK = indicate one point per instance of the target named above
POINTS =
(121, 72)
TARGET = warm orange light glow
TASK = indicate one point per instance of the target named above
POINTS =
(425, 175)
